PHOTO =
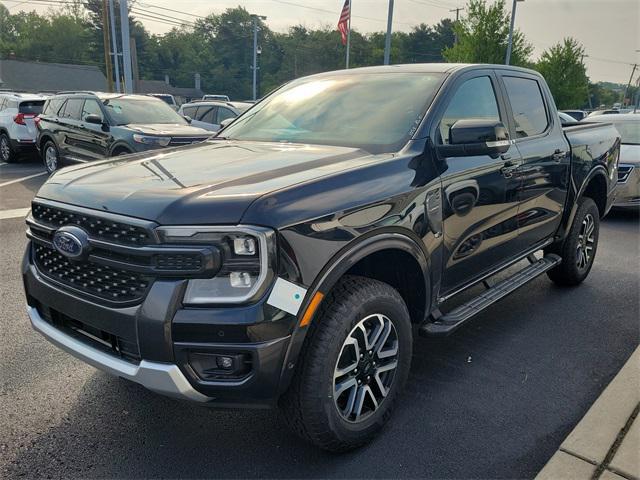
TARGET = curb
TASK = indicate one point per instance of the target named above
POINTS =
(605, 443)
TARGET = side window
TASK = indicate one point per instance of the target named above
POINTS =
(2, 102)
(91, 107)
(528, 106)
(205, 114)
(53, 106)
(224, 113)
(189, 111)
(72, 109)
(475, 98)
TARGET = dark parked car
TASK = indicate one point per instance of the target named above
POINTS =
(576, 114)
(286, 262)
(77, 127)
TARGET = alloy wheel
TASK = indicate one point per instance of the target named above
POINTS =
(365, 368)
(586, 241)
(5, 152)
(51, 158)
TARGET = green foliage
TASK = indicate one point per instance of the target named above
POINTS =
(562, 67)
(483, 36)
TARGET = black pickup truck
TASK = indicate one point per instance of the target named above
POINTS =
(288, 261)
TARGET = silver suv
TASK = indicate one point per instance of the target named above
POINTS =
(210, 115)
(18, 132)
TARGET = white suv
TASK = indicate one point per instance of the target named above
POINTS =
(210, 115)
(18, 132)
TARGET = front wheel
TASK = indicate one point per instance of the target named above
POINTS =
(579, 248)
(354, 364)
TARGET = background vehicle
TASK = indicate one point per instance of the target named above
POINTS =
(210, 115)
(628, 191)
(82, 126)
(219, 98)
(566, 119)
(166, 98)
(18, 131)
(285, 263)
(576, 114)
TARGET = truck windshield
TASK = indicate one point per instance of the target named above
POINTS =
(377, 112)
(125, 111)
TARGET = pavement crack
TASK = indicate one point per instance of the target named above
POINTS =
(616, 444)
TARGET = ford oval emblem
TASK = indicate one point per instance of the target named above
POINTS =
(71, 242)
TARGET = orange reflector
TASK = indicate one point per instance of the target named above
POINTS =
(311, 309)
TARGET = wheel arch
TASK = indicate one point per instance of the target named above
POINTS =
(595, 187)
(118, 147)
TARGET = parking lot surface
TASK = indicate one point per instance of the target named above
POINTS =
(495, 399)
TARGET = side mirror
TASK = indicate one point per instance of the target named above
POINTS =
(226, 122)
(94, 119)
(468, 137)
(187, 118)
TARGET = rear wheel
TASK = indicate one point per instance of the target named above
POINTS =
(353, 366)
(50, 156)
(579, 248)
(6, 152)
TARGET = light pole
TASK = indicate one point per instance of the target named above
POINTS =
(513, 20)
(387, 40)
(255, 52)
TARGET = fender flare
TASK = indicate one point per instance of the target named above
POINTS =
(118, 145)
(340, 263)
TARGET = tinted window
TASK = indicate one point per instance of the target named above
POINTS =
(189, 111)
(224, 113)
(474, 99)
(53, 106)
(125, 111)
(355, 110)
(528, 106)
(91, 107)
(33, 107)
(2, 102)
(205, 114)
(72, 108)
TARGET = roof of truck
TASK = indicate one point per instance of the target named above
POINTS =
(430, 68)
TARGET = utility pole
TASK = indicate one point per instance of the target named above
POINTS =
(126, 46)
(255, 53)
(457, 10)
(105, 41)
(513, 20)
(626, 89)
(387, 40)
(114, 40)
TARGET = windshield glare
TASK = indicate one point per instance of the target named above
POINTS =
(125, 111)
(377, 112)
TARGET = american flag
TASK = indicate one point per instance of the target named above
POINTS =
(343, 23)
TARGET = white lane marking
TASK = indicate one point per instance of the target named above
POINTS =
(15, 213)
(18, 180)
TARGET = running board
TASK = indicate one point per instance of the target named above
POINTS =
(451, 321)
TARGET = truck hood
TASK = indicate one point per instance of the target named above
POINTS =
(207, 183)
(168, 129)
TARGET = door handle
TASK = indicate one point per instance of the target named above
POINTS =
(558, 155)
(508, 168)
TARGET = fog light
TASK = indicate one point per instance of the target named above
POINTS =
(224, 362)
(240, 279)
(244, 246)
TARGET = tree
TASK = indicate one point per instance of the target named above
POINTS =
(483, 36)
(562, 67)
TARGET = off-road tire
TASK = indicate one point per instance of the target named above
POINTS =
(569, 273)
(308, 406)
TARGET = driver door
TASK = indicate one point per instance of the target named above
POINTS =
(480, 193)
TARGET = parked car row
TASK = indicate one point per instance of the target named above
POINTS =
(76, 127)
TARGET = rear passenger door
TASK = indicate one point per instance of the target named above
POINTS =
(545, 156)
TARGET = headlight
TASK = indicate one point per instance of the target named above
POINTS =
(247, 267)
(151, 140)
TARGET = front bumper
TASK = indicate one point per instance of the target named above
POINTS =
(164, 336)
(628, 191)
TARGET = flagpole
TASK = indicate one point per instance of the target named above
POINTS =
(349, 35)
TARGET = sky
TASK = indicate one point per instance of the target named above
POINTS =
(608, 29)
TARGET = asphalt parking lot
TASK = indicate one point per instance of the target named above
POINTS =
(495, 400)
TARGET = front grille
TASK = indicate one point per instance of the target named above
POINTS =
(94, 337)
(176, 141)
(623, 172)
(91, 278)
(97, 227)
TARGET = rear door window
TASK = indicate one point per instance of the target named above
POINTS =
(72, 109)
(527, 103)
(33, 107)
(206, 114)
